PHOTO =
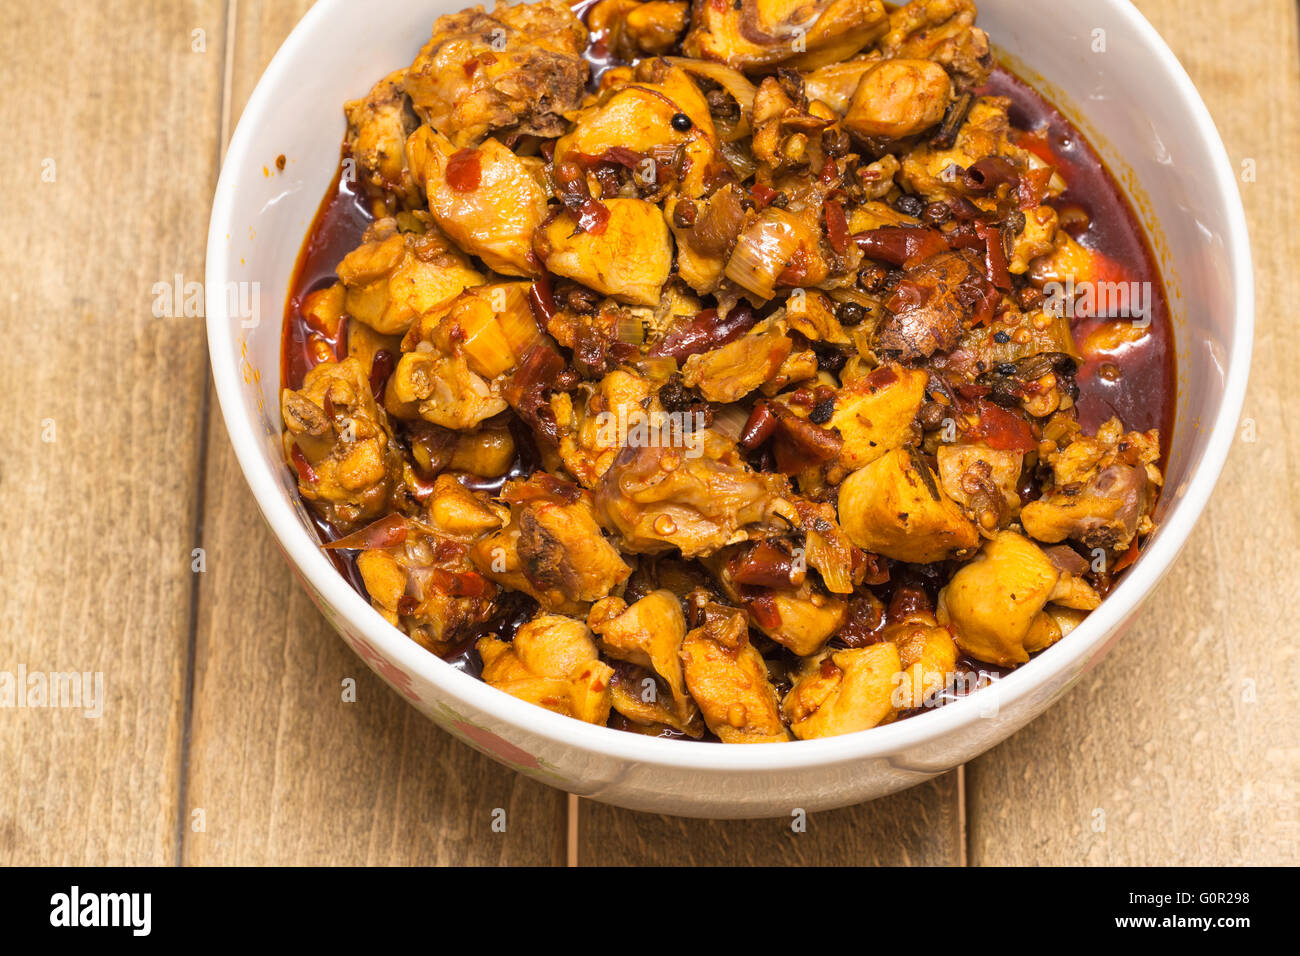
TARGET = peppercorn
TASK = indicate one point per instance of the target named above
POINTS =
(909, 205)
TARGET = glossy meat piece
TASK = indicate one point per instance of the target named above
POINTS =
(487, 199)
(393, 277)
(943, 31)
(894, 507)
(1103, 492)
(728, 679)
(649, 633)
(552, 549)
(628, 258)
(337, 440)
(758, 33)
(514, 71)
(378, 125)
(552, 662)
(657, 499)
(843, 691)
(932, 306)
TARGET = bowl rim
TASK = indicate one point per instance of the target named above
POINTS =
(1100, 626)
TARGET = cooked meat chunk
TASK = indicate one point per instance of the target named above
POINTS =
(552, 549)
(633, 29)
(487, 199)
(491, 325)
(378, 125)
(336, 438)
(894, 507)
(932, 305)
(928, 657)
(790, 610)
(622, 407)
(728, 679)
(756, 33)
(899, 98)
(628, 257)
(935, 172)
(875, 414)
(1103, 490)
(416, 570)
(841, 692)
(552, 662)
(394, 277)
(515, 71)
(943, 31)
(444, 390)
(649, 634)
(656, 498)
(994, 604)
(729, 373)
(982, 480)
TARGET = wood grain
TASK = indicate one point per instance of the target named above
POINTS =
(920, 826)
(283, 769)
(1184, 744)
(110, 161)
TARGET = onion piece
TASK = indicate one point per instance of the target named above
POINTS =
(729, 421)
(764, 250)
(733, 81)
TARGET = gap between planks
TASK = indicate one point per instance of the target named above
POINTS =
(200, 495)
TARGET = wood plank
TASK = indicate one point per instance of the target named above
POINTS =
(110, 158)
(284, 770)
(920, 826)
(1185, 738)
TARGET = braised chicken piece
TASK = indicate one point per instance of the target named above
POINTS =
(632, 29)
(487, 199)
(994, 605)
(840, 692)
(552, 549)
(898, 98)
(728, 679)
(895, 507)
(1104, 488)
(708, 370)
(943, 31)
(394, 277)
(552, 662)
(756, 33)
(657, 499)
(336, 439)
(417, 572)
(788, 609)
(648, 634)
(927, 656)
(623, 407)
(877, 414)
(378, 125)
(515, 72)
(629, 256)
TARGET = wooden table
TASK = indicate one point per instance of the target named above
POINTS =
(223, 737)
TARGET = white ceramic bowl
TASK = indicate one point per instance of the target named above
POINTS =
(1139, 109)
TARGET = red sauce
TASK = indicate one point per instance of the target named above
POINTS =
(464, 170)
(1144, 395)
(341, 219)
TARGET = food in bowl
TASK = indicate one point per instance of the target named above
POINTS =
(684, 370)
